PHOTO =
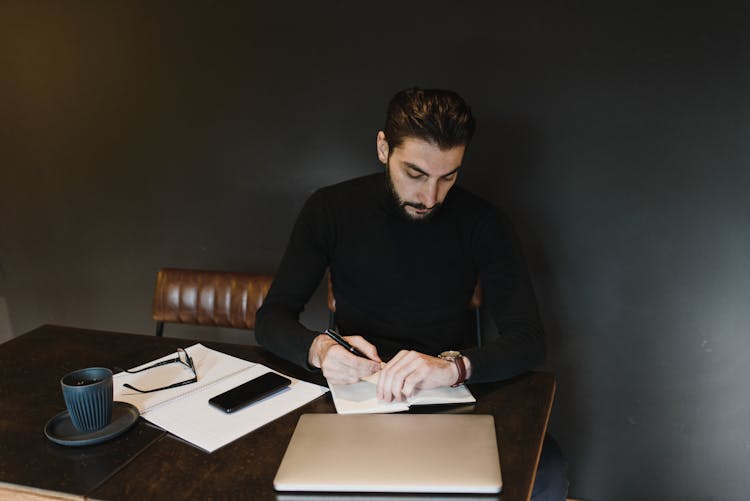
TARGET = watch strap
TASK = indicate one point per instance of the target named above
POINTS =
(461, 366)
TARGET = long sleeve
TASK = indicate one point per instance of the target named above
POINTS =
(509, 297)
(403, 284)
(299, 274)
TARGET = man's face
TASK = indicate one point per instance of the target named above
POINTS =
(420, 174)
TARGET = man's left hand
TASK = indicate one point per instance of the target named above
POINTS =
(411, 370)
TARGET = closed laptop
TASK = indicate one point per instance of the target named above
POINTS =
(435, 453)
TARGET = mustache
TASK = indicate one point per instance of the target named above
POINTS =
(419, 206)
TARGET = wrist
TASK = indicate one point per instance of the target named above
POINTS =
(459, 370)
(317, 350)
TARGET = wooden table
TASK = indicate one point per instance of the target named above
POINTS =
(147, 463)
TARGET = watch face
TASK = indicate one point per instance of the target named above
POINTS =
(450, 355)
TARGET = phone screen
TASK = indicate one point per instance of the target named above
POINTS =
(252, 391)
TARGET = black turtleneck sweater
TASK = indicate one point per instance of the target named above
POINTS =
(404, 284)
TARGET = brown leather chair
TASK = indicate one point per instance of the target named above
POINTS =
(475, 303)
(201, 297)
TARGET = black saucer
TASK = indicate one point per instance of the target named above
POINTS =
(60, 428)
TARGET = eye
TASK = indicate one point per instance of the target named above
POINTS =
(450, 177)
(414, 174)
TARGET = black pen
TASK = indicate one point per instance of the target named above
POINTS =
(340, 340)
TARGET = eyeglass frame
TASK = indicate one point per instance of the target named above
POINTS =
(189, 364)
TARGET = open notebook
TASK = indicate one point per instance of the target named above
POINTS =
(185, 412)
(360, 397)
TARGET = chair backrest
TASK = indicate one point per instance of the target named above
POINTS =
(202, 297)
(475, 303)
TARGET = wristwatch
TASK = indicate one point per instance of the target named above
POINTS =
(456, 357)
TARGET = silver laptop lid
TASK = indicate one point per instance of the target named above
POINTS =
(439, 453)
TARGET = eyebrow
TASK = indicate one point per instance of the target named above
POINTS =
(414, 167)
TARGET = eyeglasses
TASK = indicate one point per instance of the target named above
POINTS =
(181, 358)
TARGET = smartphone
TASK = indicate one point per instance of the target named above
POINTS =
(252, 391)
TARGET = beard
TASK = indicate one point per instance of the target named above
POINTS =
(403, 204)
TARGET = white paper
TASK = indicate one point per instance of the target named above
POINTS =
(210, 365)
(185, 412)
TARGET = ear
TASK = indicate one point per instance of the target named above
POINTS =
(382, 146)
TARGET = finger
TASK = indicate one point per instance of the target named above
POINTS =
(396, 387)
(342, 367)
(342, 378)
(386, 375)
(384, 383)
(394, 374)
(367, 348)
(400, 355)
(413, 380)
(409, 368)
(413, 375)
(409, 383)
(361, 367)
(340, 374)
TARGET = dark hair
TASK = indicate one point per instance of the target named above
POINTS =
(438, 116)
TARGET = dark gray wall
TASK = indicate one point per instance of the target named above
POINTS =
(136, 136)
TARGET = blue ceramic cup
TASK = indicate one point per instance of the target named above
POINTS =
(88, 396)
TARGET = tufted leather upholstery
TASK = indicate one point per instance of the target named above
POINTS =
(220, 298)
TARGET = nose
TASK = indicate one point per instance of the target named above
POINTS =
(430, 195)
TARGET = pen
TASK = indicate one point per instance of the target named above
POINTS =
(340, 340)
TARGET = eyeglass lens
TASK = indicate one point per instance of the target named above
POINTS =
(182, 358)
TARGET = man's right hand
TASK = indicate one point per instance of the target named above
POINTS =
(338, 365)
